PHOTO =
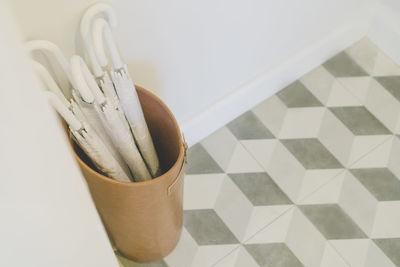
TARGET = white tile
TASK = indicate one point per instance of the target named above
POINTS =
(238, 258)
(262, 216)
(271, 113)
(275, 227)
(336, 137)
(234, 208)
(228, 260)
(319, 82)
(331, 258)
(375, 257)
(286, 171)
(220, 145)
(241, 161)
(387, 220)
(209, 255)
(302, 123)
(378, 157)
(201, 191)
(364, 53)
(354, 251)
(383, 105)
(384, 66)
(357, 86)
(341, 97)
(358, 203)
(327, 194)
(184, 253)
(314, 179)
(363, 145)
(262, 150)
(305, 241)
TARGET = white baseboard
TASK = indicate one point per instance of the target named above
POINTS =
(263, 86)
(385, 31)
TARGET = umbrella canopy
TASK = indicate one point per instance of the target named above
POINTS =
(127, 94)
(114, 123)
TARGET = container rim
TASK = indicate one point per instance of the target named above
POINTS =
(156, 179)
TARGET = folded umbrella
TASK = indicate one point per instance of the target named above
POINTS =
(83, 98)
(126, 92)
(53, 87)
(114, 123)
(80, 104)
(89, 141)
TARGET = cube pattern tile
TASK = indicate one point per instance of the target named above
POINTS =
(309, 177)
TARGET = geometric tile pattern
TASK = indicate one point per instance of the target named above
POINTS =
(207, 228)
(260, 189)
(273, 254)
(309, 177)
(332, 221)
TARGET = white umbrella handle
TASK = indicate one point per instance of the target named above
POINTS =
(68, 116)
(55, 51)
(102, 31)
(85, 28)
(85, 82)
(49, 82)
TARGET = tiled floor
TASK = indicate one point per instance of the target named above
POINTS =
(310, 177)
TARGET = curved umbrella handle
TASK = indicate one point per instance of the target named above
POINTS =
(55, 51)
(49, 82)
(85, 82)
(85, 27)
(102, 31)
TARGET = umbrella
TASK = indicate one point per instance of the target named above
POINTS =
(102, 77)
(115, 124)
(49, 47)
(53, 87)
(127, 94)
(89, 141)
(84, 99)
(80, 104)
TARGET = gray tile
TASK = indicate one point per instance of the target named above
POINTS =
(381, 182)
(392, 84)
(391, 247)
(296, 95)
(248, 126)
(128, 263)
(200, 162)
(260, 189)
(207, 228)
(359, 120)
(273, 254)
(332, 221)
(311, 153)
(342, 65)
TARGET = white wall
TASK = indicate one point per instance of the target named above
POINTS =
(197, 54)
(206, 58)
(385, 28)
(47, 217)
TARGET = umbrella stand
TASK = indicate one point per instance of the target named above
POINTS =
(146, 223)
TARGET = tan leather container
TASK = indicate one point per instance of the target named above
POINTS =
(144, 219)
